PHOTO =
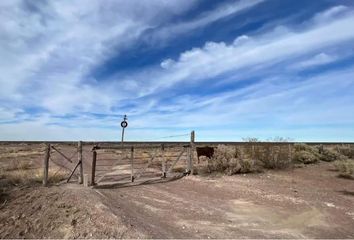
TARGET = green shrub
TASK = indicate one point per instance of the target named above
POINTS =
(229, 160)
(347, 151)
(345, 168)
(279, 139)
(305, 157)
(250, 139)
(330, 155)
(306, 154)
(275, 158)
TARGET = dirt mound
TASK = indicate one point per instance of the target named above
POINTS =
(59, 212)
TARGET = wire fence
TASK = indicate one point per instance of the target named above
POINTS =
(167, 137)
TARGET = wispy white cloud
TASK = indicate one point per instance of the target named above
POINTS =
(204, 19)
(216, 58)
(49, 49)
(319, 59)
(246, 54)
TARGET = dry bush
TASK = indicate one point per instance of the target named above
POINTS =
(23, 177)
(306, 154)
(347, 151)
(279, 139)
(276, 158)
(55, 175)
(228, 160)
(250, 139)
(330, 155)
(305, 157)
(345, 168)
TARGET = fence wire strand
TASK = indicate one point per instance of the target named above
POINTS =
(171, 136)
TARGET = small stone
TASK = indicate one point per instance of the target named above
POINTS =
(73, 222)
(330, 204)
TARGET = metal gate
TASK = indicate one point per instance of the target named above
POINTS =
(127, 164)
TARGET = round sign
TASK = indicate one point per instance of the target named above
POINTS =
(124, 124)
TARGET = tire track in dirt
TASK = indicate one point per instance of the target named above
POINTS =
(252, 206)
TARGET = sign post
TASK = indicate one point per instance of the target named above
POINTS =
(124, 124)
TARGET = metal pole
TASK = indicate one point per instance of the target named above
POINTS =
(123, 124)
(123, 136)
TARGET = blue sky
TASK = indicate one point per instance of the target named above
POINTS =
(228, 69)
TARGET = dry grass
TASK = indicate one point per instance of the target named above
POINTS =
(23, 173)
(18, 165)
(345, 168)
(16, 152)
(22, 177)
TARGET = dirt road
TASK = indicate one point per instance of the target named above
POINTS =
(309, 202)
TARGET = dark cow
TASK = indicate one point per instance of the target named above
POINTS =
(205, 151)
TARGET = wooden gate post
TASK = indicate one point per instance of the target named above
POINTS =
(93, 173)
(79, 158)
(46, 165)
(163, 161)
(132, 163)
(191, 154)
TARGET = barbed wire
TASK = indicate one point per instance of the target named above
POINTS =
(170, 136)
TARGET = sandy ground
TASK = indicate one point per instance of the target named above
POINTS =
(308, 202)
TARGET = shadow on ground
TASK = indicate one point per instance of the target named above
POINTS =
(139, 183)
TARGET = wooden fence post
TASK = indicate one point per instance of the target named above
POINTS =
(79, 158)
(93, 173)
(46, 165)
(132, 163)
(86, 178)
(163, 161)
(191, 153)
(272, 153)
(289, 153)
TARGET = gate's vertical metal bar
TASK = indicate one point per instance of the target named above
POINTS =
(93, 173)
(163, 161)
(132, 163)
